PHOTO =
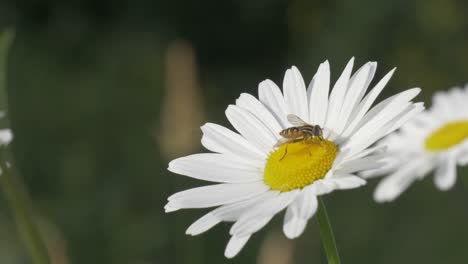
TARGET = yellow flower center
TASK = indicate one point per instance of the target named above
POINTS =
(296, 165)
(447, 136)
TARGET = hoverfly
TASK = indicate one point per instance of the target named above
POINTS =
(300, 131)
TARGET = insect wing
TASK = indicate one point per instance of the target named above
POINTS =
(296, 121)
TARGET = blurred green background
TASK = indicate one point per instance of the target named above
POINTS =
(102, 94)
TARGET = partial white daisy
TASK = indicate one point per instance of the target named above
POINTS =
(436, 139)
(256, 179)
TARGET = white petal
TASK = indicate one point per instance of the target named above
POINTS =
(228, 213)
(251, 128)
(379, 149)
(214, 195)
(347, 181)
(318, 95)
(356, 165)
(366, 104)
(270, 95)
(426, 120)
(384, 170)
(395, 100)
(235, 245)
(412, 144)
(293, 226)
(203, 224)
(257, 217)
(216, 168)
(374, 125)
(232, 212)
(405, 117)
(353, 96)
(409, 112)
(222, 140)
(298, 213)
(370, 76)
(340, 158)
(446, 172)
(463, 159)
(364, 142)
(337, 96)
(295, 94)
(390, 164)
(393, 185)
(248, 226)
(375, 120)
(5, 136)
(441, 102)
(322, 186)
(459, 106)
(255, 107)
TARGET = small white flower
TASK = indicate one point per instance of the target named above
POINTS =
(5, 136)
(436, 140)
(256, 180)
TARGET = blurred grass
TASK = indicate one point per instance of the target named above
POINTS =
(88, 89)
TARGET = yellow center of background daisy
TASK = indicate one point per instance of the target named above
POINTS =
(303, 163)
(447, 136)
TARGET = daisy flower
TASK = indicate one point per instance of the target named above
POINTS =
(259, 174)
(435, 140)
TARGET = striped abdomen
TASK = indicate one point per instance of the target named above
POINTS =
(292, 132)
(306, 131)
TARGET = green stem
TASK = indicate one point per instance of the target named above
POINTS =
(19, 203)
(326, 234)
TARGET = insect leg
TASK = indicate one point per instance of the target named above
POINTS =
(285, 152)
(318, 132)
(305, 141)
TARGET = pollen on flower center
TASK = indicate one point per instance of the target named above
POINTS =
(447, 136)
(296, 165)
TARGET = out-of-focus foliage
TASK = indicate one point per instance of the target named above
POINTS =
(96, 87)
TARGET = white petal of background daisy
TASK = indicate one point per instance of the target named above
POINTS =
(256, 177)
(435, 140)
